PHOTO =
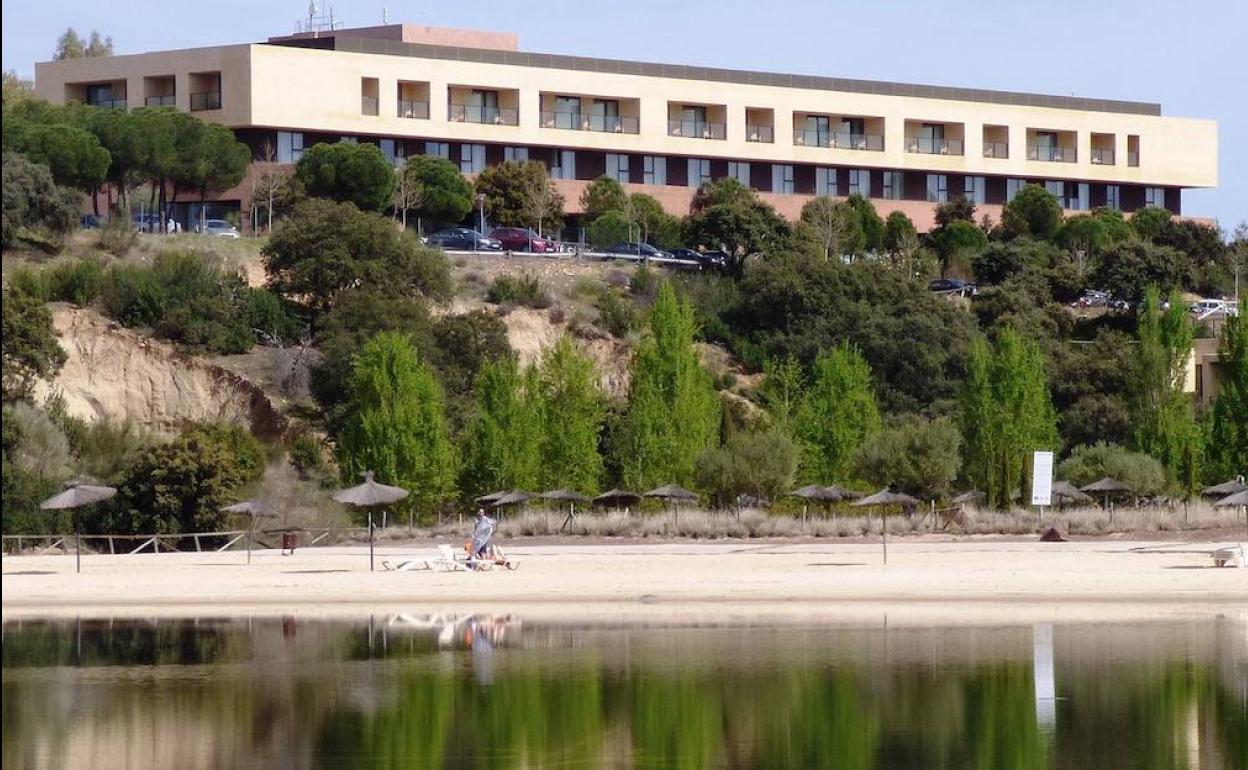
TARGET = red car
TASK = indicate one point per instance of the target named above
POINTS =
(522, 239)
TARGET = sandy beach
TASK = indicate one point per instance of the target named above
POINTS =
(965, 582)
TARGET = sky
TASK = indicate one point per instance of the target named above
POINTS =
(1188, 55)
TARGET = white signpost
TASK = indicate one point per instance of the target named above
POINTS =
(1041, 478)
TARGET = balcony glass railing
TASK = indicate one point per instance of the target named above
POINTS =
(117, 103)
(206, 100)
(764, 134)
(838, 141)
(996, 149)
(927, 145)
(1102, 157)
(1051, 154)
(580, 121)
(1133, 159)
(160, 101)
(696, 129)
(413, 109)
(475, 113)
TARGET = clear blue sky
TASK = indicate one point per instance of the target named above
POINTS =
(1189, 55)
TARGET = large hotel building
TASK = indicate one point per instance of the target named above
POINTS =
(475, 98)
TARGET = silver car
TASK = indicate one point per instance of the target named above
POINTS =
(217, 227)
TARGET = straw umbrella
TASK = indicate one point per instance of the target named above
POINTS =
(254, 510)
(968, 496)
(1234, 486)
(1106, 487)
(75, 496)
(514, 497)
(673, 494)
(816, 493)
(488, 500)
(883, 498)
(1239, 499)
(369, 495)
(616, 497)
(1065, 492)
(568, 496)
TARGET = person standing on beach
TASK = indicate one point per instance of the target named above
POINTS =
(482, 531)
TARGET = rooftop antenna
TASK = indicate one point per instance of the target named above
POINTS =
(385, 15)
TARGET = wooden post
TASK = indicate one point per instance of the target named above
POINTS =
(77, 544)
(884, 534)
(370, 558)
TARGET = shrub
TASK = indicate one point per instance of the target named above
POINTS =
(270, 317)
(306, 455)
(133, 296)
(118, 236)
(77, 281)
(526, 290)
(645, 282)
(1142, 473)
(616, 313)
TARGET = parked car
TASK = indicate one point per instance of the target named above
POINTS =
(947, 284)
(1092, 298)
(644, 250)
(217, 227)
(90, 221)
(707, 260)
(522, 239)
(146, 223)
(1205, 307)
(464, 238)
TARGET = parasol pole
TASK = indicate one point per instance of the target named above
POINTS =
(370, 544)
(884, 534)
(73, 515)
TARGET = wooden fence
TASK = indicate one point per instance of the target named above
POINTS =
(182, 541)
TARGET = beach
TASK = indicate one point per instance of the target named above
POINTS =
(988, 581)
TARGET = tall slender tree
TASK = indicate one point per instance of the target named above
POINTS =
(1164, 414)
(572, 413)
(501, 448)
(836, 414)
(1229, 431)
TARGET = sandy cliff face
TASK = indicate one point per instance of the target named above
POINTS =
(115, 373)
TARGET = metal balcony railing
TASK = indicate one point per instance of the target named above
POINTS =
(368, 105)
(927, 145)
(206, 100)
(117, 103)
(475, 113)
(1051, 154)
(696, 129)
(413, 109)
(764, 134)
(580, 121)
(996, 149)
(1102, 157)
(160, 101)
(838, 141)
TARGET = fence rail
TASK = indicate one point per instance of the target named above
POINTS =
(199, 541)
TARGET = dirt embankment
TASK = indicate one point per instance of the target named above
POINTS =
(118, 374)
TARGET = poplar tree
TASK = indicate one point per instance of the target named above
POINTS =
(501, 446)
(1006, 415)
(673, 410)
(396, 426)
(1229, 432)
(835, 415)
(1164, 413)
(572, 411)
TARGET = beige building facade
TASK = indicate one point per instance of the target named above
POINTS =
(476, 99)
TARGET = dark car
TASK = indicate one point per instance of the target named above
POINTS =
(522, 239)
(464, 238)
(636, 249)
(947, 284)
(707, 260)
(91, 221)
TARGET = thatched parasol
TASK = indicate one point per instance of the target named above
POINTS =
(514, 497)
(1106, 487)
(969, 496)
(254, 510)
(1064, 490)
(845, 494)
(571, 497)
(369, 495)
(672, 492)
(75, 496)
(816, 492)
(887, 497)
(1231, 501)
(488, 500)
(1234, 486)
(616, 497)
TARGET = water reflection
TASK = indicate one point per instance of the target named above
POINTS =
(486, 691)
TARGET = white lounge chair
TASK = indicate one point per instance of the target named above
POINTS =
(1235, 556)
(444, 562)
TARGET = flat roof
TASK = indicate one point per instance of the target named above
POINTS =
(717, 75)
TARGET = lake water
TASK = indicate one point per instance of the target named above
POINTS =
(494, 692)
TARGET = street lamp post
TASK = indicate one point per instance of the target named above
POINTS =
(480, 219)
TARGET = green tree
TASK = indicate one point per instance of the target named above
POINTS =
(673, 410)
(912, 454)
(1150, 222)
(728, 216)
(781, 392)
(325, 248)
(210, 159)
(608, 229)
(759, 464)
(445, 195)
(836, 415)
(1128, 269)
(502, 445)
(960, 209)
(657, 226)
(1034, 212)
(17, 88)
(395, 425)
(872, 225)
(31, 350)
(37, 461)
(572, 408)
(1164, 414)
(602, 195)
(73, 155)
(519, 194)
(958, 238)
(835, 224)
(1006, 415)
(347, 172)
(34, 205)
(1091, 462)
(899, 233)
(1228, 444)
(69, 46)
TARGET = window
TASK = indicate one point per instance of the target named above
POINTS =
(617, 167)
(699, 171)
(516, 153)
(654, 170)
(1078, 197)
(974, 190)
(1113, 197)
(564, 165)
(894, 185)
(604, 115)
(568, 112)
(782, 178)
(818, 132)
(860, 182)
(482, 106)
(1057, 190)
(438, 149)
(1013, 187)
(740, 171)
(289, 146)
(471, 158)
(349, 139)
(388, 150)
(1155, 196)
(825, 182)
(937, 188)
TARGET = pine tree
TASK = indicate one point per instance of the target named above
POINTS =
(572, 414)
(673, 410)
(836, 414)
(1229, 431)
(396, 426)
(1164, 413)
(501, 446)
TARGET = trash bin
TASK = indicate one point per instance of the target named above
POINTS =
(288, 542)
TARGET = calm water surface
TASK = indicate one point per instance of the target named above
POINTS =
(495, 692)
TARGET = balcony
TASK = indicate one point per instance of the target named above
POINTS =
(368, 105)
(205, 100)
(413, 109)
(118, 103)
(475, 113)
(803, 137)
(579, 121)
(764, 134)
(696, 129)
(1050, 154)
(160, 101)
(927, 145)
(996, 150)
(1102, 157)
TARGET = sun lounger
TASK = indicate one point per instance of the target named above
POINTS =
(445, 561)
(1234, 555)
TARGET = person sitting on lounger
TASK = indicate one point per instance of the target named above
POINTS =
(482, 531)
